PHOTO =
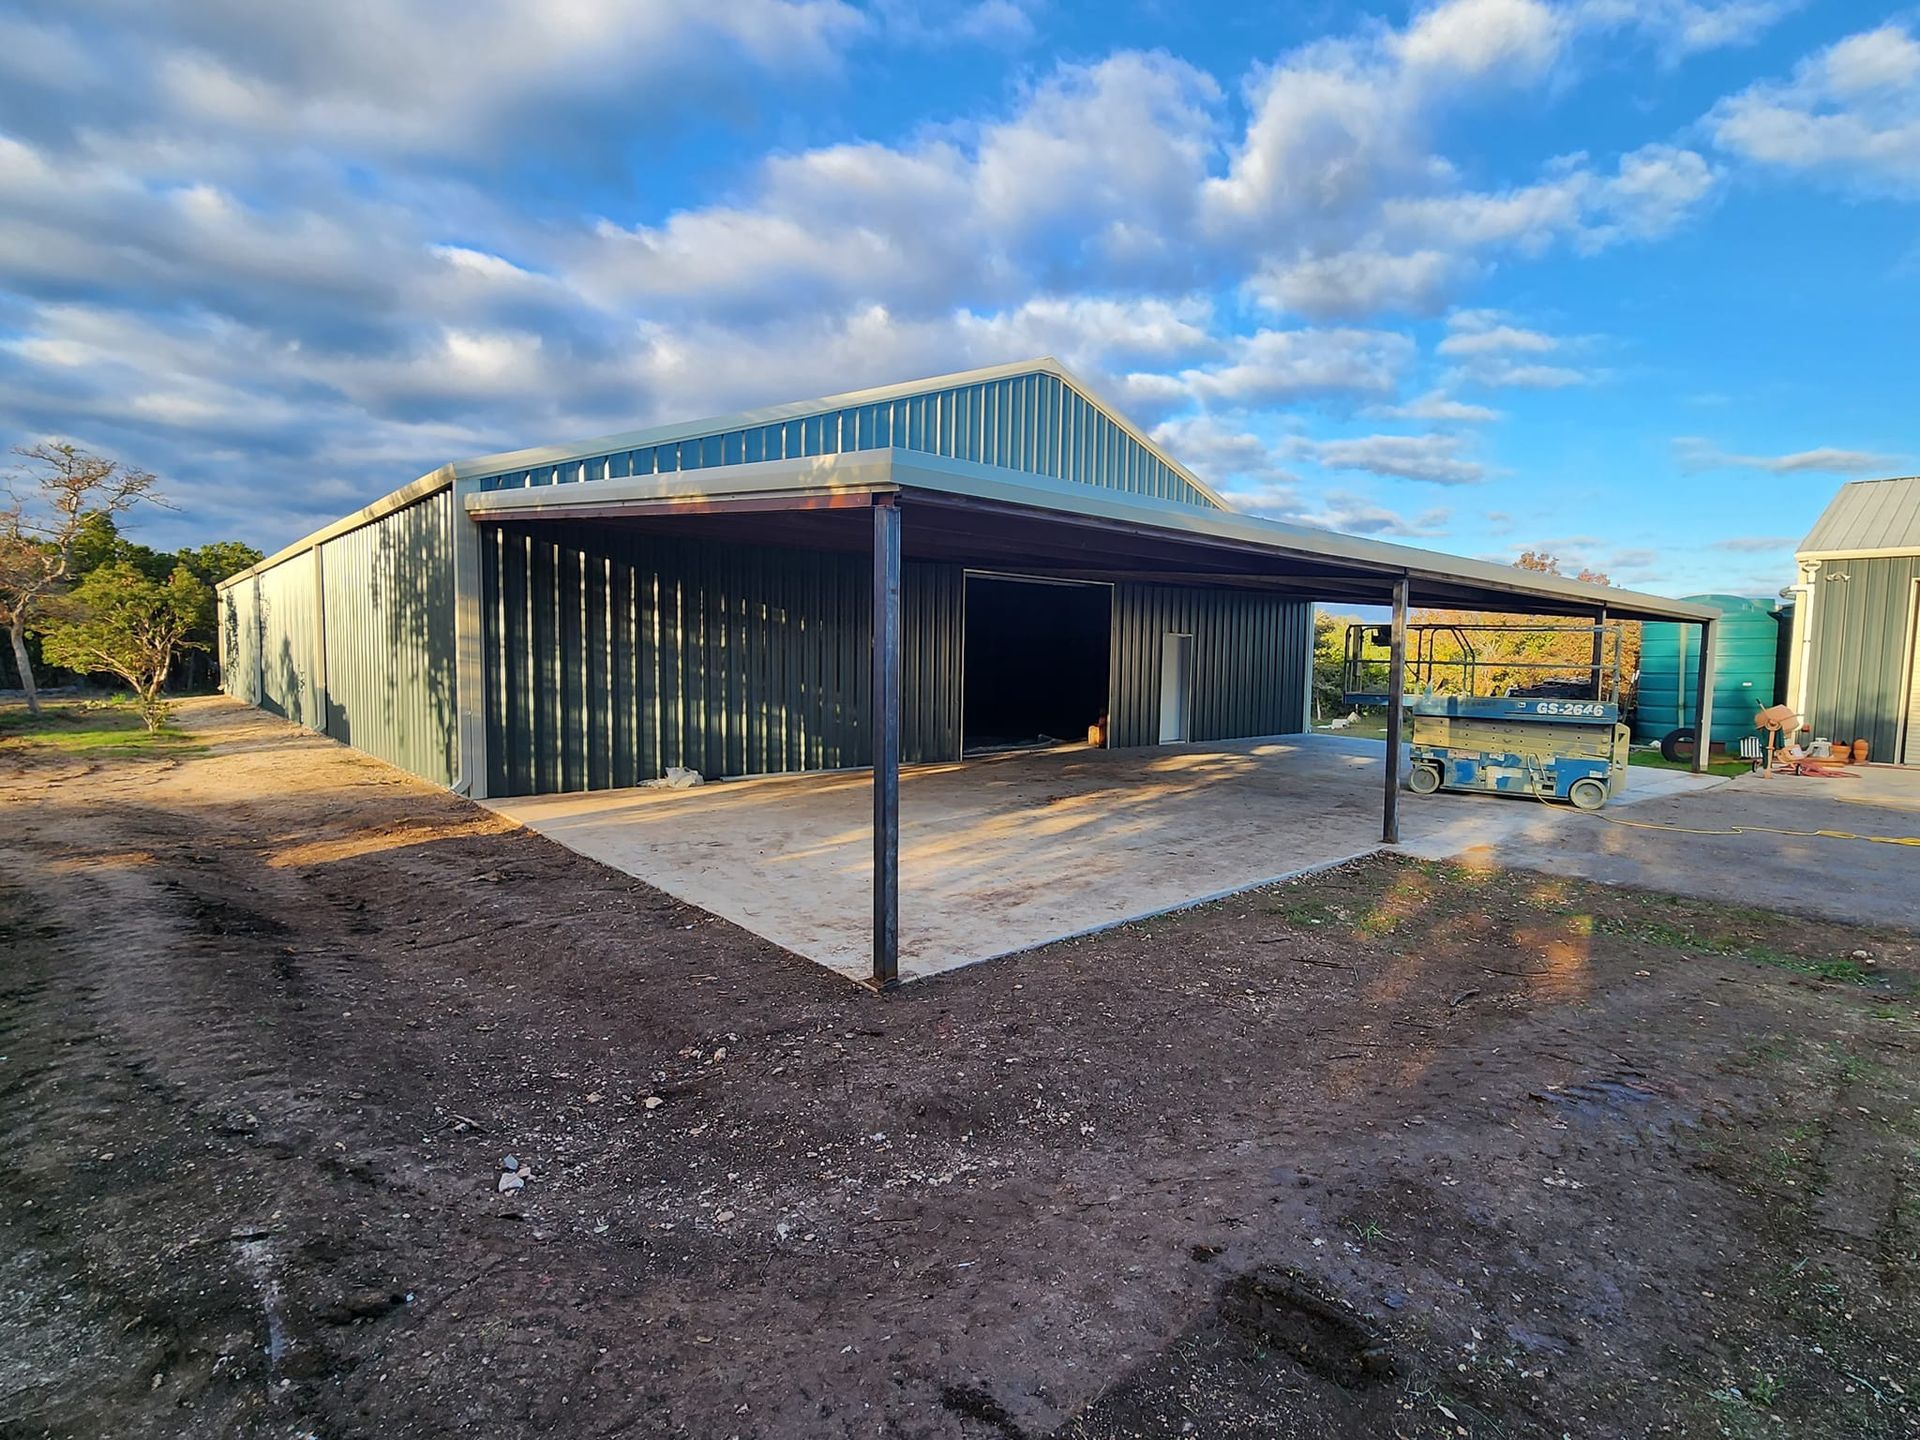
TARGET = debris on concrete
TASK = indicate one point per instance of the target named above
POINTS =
(678, 777)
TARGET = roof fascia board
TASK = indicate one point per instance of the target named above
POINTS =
(911, 468)
(1890, 552)
(432, 483)
(853, 471)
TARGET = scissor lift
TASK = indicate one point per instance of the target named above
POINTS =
(1555, 735)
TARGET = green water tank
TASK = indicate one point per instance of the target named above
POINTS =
(1747, 642)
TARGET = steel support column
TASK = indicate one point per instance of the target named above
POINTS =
(886, 741)
(1600, 656)
(1703, 701)
(1396, 701)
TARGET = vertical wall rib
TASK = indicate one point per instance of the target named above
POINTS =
(1250, 661)
(616, 655)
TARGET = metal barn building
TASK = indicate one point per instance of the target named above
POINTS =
(1853, 671)
(892, 576)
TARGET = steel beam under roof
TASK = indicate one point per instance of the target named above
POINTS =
(976, 514)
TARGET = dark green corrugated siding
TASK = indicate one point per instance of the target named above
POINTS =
(1860, 649)
(611, 657)
(389, 638)
(1249, 657)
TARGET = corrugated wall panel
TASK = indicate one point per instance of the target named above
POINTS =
(1860, 638)
(1035, 422)
(389, 678)
(1249, 654)
(613, 656)
(289, 609)
(240, 641)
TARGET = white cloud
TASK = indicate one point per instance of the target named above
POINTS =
(1476, 38)
(1755, 544)
(1656, 189)
(303, 239)
(1696, 454)
(1357, 515)
(1275, 366)
(1005, 23)
(1495, 339)
(441, 77)
(1850, 114)
(1437, 405)
(1681, 28)
(1359, 282)
(1434, 458)
(1497, 354)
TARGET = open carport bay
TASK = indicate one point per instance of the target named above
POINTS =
(1005, 852)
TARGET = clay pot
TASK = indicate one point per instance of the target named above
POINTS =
(1861, 749)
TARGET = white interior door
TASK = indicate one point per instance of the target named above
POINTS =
(1176, 686)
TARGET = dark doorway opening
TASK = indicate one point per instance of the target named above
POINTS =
(1036, 661)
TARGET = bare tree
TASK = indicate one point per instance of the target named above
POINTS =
(48, 502)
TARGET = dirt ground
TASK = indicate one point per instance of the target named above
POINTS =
(1403, 1150)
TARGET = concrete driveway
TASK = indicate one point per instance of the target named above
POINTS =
(1749, 841)
(1004, 853)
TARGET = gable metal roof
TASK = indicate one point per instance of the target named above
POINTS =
(1034, 415)
(1867, 517)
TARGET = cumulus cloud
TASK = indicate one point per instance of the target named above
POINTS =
(305, 240)
(1494, 353)
(431, 78)
(1437, 405)
(1434, 458)
(1686, 27)
(1696, 454)
(1274, 366)
(1849, 115)
(1357, 515)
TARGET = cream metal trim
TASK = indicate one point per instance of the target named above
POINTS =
(412, 493)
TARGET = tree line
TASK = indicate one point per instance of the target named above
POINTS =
(78, 596)
(1502, 659)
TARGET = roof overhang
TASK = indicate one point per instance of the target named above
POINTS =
(981, 515)
(1890, 552)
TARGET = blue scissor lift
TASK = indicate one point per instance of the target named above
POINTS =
(1555, 734)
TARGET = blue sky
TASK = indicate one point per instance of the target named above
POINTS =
(1634, 281)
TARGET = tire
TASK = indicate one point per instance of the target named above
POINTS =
(1424, 778)
(1587, 793)
(1677, 745)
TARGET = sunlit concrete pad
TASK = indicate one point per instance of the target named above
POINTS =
(1003, 853)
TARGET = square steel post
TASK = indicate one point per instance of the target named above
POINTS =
(1703, 701)
(1396, 701)
(886, 741)
(1600, 656)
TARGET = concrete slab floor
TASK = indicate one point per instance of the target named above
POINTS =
(1003, 853)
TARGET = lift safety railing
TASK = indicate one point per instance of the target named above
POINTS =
(1442, 659)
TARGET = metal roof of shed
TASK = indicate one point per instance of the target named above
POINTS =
(1054, 516)
(985, 515)
(1867, 517)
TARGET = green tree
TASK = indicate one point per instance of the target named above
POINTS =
(1329, 662)
(51, 505)
(121, 621)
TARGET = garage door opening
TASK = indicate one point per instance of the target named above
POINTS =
(1037, 653)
